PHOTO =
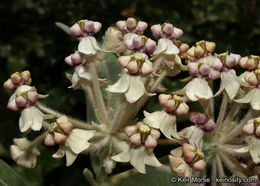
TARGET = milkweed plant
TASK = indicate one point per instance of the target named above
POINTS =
(223, 141)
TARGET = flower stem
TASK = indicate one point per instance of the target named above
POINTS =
(170, 141)
(220, 169)
(214, 172)
(36, 141)
(222, 112)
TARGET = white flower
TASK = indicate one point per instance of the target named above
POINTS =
(76, 143)
(114, 40)
(230, 83)
(166, 47)
(22, 157)
(131, 86)
(138, 157)
(88, 46)
(79, 76)
(163, 121)
(251, 97)
(194, 135)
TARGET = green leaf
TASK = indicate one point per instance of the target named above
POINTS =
(64, 27)
(8, 176)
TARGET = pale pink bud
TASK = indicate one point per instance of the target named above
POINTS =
(155, 134)
(130, 130)
(141, 26)
(32, 96)
(26, 75)
(210, 125)
(150, 46)
(137, 42)
(249, 129)
(135, 139)
(204, 69)
(197, 118)
(16, 78)
(89, 26)
(237, 57)
(199, 165)
(75, 58)
(156, 31)
(257, 131)
(189, 152)
(193, 69)
(150, 142)
(8, 84)
(20, 101)
(131, 23)
(124, 60)
(170, 105)
(182, 109)
(163, 98)
(12, 105)
(59, 138)
(97, 26)
(177, 33)
(68, 60)
(168, 29)
(147, 68)
(214, 74)
(251, 64)
(230, 61)
(67, 126)
(184, 47)
(49, 141)
(75, 30)
(243, 62)
(121, 25)
(132, 67)
(129, 44)
(252, 79)
(217, 65)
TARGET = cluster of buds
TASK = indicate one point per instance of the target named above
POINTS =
(142, 135)
(253, 77)
(194, 157)
(85, 28)
(251, 62)
(58, 132)
(173, 104)
(17, 79)
(74, 59)
(137, 63)
(24, 97)
(252, 127)
(208, 67)
(201, 49)
(166, 30)
(202, 121)
(141, 44)
(131, 25)
(228, 60)
(183, 48)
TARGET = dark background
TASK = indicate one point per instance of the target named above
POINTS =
(30, 40)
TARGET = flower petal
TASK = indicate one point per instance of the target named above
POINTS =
(86, 47)
(171, 48)
(168, 127)
(255, 102)
(161, 47)
(27, 161)
(136, 89)
(25, 120)
(255, 150)
(60, 153)
(70, 157)
(37, 117)
(154, 119)
(121, 85)
(231, 84)
(137, 159)
(203, 91)
(123, 156)
(190, 89)
(150, 159)
(221, 88)
(247, 98)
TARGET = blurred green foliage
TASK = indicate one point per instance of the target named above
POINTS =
(30, 40)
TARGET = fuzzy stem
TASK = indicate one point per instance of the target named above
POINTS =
(77, 123)
(220, 169)
(214, 172)
(98, 94)
(36, 141)
(89, 177)
(237, 130)
(222, 111)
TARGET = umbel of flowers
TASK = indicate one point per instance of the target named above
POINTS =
(218, 135)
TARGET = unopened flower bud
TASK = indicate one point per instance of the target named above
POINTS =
(197, 118)
(252, 79)
(97, 26)
(135, 139)
(210, 125)
(137, 42)
(150, 46)
(198, 51)
(204, 69)
(168, 29)
(155, 134)
(65, 123)
(193, 69)
(59, 138)
(199, 165)
(132, 67)
(249, 129)
(170, 105)
(26, 75)
(177, 33)
(130, 130)
(75, 58)
(230, 61)
(147, 68)
(251, 65)
(217, 65)
(8, 84)
(163, 98)
(189, 152)
(124, 60)
(32, 96)
(20, 101)
(68, 60)
(49, 141)
(121, 25)
(156, 30)
(131, 23)
(129, 44)
(150, 142)
(12, 105)
(257, 131)
(16, 78)
(182, 109)
(214, 74)
(191, 51)
(89, 26)
(243, 62)
(75, 30)
(210, 46)
(141, 26)
(184, 47)
(237, 57)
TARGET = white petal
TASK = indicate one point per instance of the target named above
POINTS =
(123, 156)
(150, 159)
(70, 157)
(171, 48)
(12, 98)
(60, 153)
(78, 139)
(247, 98)
(190, 89)
(86, 47)
(255, 102)
(16, 152)
(94, 43)
(255, 150)
(221, 88)
(25, 120)
(161, 47)
(203, 91)
(176, 152)
(83, 72)
(121, 86)
(22, 143)
(27, 161)
(136, 89)
(242, 150)
(168, 127)
(196, 138)
(231, 84)
(22, 89)
(154, 119)
(37, 117)
(137, 159)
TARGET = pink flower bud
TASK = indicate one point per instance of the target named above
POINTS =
(67, 126)
(249, 129)
(214, 74)
(59, 138)
(130, 130)
(182, 109)
(189, 152)
(168, 29)
(12, 105)
(20, 101)
(8, 84)
(89, 26)
(16, 78)
(210, 125)
(124, 60)
(243, 62)
(32, 96)
(135, 139)
(237, 57)
(163, 98)
(49, 141)
(75, 30)
(230, 61)
(75, 58)
(26, 75)
(197, 118)
(137, 42)
(150, 142)
(150, 46)
(132, 67)
(131, 23)
(251, 65)
(251, 79)
(97, 26)
(68, 60)
(199, 165)
(156, 31)
(147, 68)
(121, 25)
(155, 134)
(184, 47)
(204, 69)
(129, 44)
(193, 69)
(141, 26)
(177, 33)
(217, 65)
(257, 131)
(170, 105)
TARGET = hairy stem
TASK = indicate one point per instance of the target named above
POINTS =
(36, 141)
(220, 169)
(222, 112)
(214, 172)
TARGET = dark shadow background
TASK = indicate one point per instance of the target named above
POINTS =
(30, 40)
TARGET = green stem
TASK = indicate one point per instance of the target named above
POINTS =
(214, 172)
(36, 141)
(222, 112)
(220, 169)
